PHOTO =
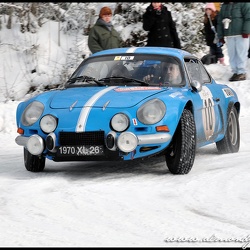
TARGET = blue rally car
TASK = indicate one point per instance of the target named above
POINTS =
(130, 103)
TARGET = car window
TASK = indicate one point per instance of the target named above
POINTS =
(204, 75)
(160, 67)
(197, 71)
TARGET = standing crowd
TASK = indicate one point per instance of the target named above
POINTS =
(233, 30)
(226, 23)
(211, 37)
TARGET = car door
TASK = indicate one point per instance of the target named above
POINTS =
(206, 103)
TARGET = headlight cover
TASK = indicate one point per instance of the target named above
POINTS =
(32, 113)
(35, 145)
(119, 122)
(127, 142)
(151, 112)
(48, 124)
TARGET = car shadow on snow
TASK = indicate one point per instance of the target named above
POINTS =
(155, 166)
(152, 166)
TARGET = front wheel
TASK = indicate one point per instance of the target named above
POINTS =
(33, 163)
(181, 151)
(231, 141)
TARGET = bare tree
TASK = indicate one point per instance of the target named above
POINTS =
(9, 22)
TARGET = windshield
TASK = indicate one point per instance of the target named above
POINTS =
(128, 69)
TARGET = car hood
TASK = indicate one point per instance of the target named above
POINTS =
(110, 97)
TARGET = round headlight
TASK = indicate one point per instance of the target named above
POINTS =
(35, 145)
(151, 112)
(127, 142)
(119, 122)
(32, 113)
(48, 124)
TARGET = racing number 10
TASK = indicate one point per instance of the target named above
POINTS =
(209, 117)
(208, 114)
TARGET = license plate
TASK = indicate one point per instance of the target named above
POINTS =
(80, 150)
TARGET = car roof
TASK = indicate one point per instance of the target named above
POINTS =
(145, 50)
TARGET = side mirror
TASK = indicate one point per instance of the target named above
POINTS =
(196, 85)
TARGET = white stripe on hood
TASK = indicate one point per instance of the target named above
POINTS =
(81, 123)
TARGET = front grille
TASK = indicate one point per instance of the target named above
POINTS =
(81, 138)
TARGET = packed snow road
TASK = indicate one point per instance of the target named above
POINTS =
(137, 203)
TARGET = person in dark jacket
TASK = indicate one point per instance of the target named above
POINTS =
(234, 28)
(103, 35)
(157, 20)
(210, 25)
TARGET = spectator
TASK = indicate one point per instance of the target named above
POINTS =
(103, 35)
(210, 24)
(217, 6)
(234, 28)
(157, 20)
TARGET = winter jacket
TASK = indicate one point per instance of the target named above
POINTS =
(209, 33)
(101, 38)
(161, 27)
(239, 13)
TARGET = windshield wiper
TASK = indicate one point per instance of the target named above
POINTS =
(84, 79)
(123, 79)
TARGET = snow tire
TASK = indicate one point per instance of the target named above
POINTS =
(231, 141)
(181, 152)
(33, 163)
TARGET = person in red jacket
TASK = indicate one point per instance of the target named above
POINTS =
(157, 20)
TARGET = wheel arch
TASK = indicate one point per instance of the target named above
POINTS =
(189, 105)
(237, 106)
(230, 105)
(177, 115)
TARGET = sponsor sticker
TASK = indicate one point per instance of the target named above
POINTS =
(128, 89)
(121, 58)
(228, 92)
(134, 121)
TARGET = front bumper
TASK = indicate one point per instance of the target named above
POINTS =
(112, 145)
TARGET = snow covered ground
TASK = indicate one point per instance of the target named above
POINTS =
(129, 204)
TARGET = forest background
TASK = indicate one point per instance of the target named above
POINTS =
(72, 22)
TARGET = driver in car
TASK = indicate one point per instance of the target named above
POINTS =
(168, 73)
